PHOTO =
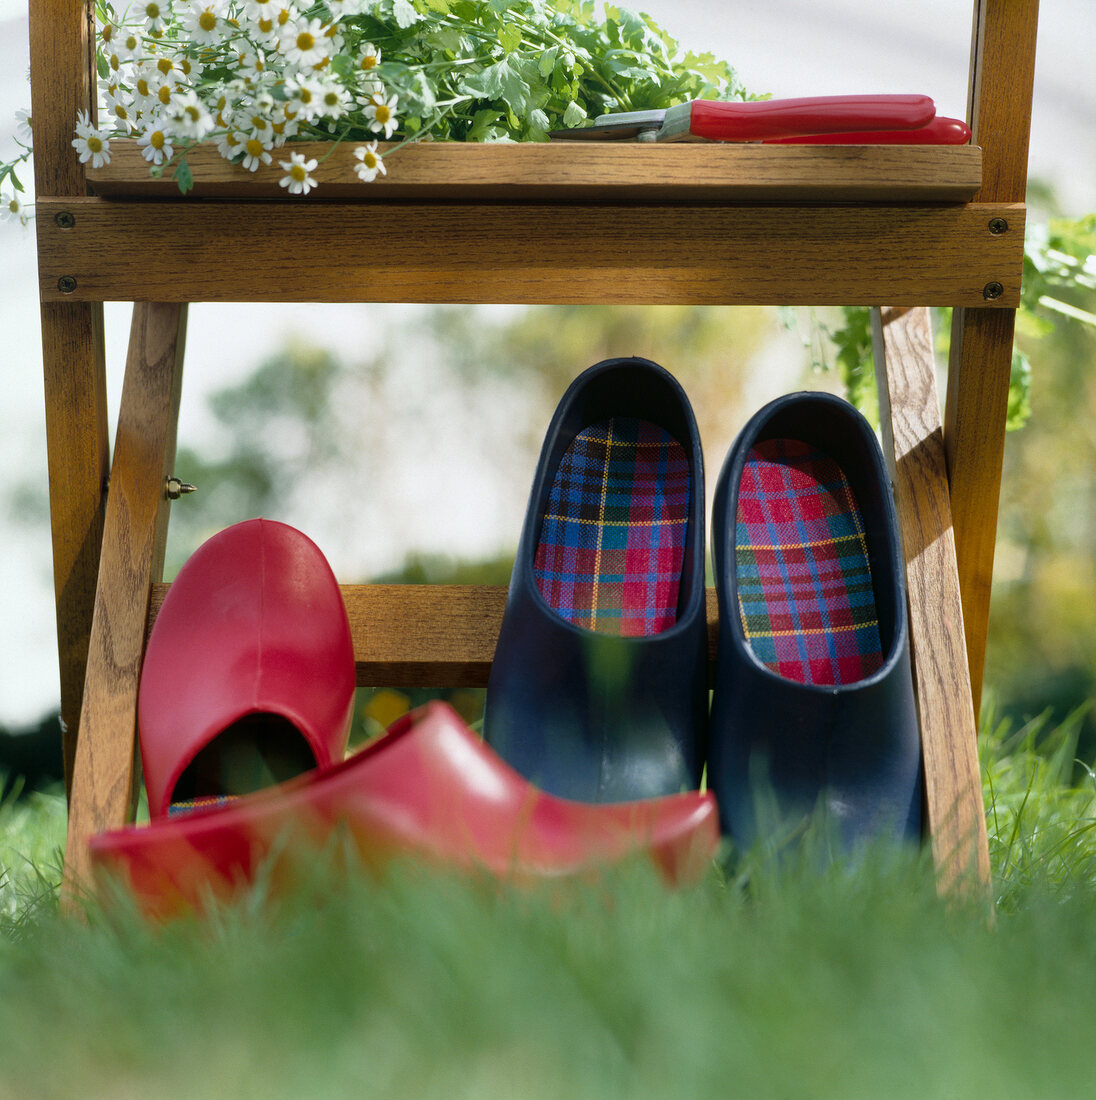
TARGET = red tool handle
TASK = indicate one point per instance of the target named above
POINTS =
(784, 118)
(941, 131)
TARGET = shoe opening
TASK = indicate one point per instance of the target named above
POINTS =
(258, 751)
(805, 592)
(612, 540)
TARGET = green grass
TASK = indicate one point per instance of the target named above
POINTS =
(771, 980)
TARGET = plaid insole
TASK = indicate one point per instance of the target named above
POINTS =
(612, 541)
(804, 582)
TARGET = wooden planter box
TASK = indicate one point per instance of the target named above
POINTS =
(452, 222)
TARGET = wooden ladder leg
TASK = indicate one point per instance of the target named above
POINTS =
(134, 536)
(78, 457)
(913, 439)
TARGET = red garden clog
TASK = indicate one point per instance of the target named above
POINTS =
(248, 677)
(429, 789)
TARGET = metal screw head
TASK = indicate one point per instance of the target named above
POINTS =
(66, 284)
(992, 290)
(174, 488)
(997, 226)
(64, 219)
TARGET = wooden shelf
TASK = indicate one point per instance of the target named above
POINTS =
(94, 249)
(428, 635)
(579, 172)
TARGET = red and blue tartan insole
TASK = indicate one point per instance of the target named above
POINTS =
(805, 591)
(612, 540)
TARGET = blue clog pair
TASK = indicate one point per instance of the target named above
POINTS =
(599, 687)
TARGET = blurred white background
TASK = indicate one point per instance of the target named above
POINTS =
(787, 47)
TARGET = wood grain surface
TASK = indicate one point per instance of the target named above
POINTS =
(223, 251)
(913, 435)
(578, 172)
(1002, 78)
(74, 374)
(103, 785)
(418, 635)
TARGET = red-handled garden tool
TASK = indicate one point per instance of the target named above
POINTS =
(846, 118)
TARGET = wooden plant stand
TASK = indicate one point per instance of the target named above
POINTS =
(925, 226)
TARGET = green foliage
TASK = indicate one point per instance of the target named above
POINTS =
(1058, 283)
(794, 982)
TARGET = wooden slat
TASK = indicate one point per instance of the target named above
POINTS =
(77, 453)
(72, 355)
(913, 436)
(1002, 78)
(528, 253)
(132, 559)
(582, 172)
(412, 635)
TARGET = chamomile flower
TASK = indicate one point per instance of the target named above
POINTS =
(23, 134)
(149, 86)
(230, 144)
(90, 144)
(202, 23)
(334, 99)
(297, 177)
(304, 43)
(369, 162)
(257, 152)
(118, 107)
(369, 58)
(251, 63)
(190, 118)
(305, 96)
(155, 145)
(12, 209)
(382, 115)
(155, 14)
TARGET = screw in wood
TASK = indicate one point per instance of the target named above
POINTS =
(64, 219)
(997, 226)
(992, 290)
(66, 284)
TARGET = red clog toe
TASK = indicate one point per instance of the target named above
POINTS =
(430, 790)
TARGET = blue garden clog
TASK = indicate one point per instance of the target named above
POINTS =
(598, 690)
(813, 706)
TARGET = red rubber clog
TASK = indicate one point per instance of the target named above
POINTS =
(429, 789)
(248, 677)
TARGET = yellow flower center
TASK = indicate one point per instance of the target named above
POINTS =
(383, 113)
(107, 32)
(298, 173)
(164, 95)
(331, 99)
(254, 147)
(114, 63)
(369, 62)
(192, 113)
(152, 11)
(305, 95)
(142, 86)
(258, 122)
(207, 21)
(305, 41)
(165, 65)
(13, 206)
(370, 159)
(94, 144)
(266, 25)
(120, 111)
(283, 17)
(157, 139)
